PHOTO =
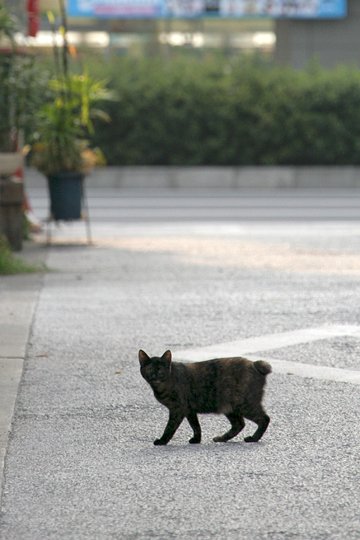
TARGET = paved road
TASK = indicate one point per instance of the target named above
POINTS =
(213, 205)
(81, 463)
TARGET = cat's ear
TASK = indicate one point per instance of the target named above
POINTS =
(143, 357)
(167, 357)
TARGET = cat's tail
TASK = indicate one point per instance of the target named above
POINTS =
(263, 367)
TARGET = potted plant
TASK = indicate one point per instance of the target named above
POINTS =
(8, 65)
(61, 148)
(20, 87)
(20, 92)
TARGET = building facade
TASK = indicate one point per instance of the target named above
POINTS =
(328, 42)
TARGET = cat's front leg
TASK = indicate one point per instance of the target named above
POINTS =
(174, 422)
(194, 423)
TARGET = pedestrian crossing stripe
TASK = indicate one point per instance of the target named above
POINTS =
(250, 346)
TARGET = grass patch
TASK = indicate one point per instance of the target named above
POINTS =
(10, 264)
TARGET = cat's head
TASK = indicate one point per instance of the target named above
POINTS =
(156, 369)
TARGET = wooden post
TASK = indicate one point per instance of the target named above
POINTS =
(11, 211)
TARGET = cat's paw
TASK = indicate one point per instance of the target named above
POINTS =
(159, 442)
(250, 439)
(219, 439)
(195, 440)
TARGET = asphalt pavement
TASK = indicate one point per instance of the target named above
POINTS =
(80, 459)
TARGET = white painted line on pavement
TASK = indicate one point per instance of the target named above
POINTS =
(105, 229)
(310, 370)
(278, 341)
(267, 342)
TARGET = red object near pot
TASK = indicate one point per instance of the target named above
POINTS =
(33, 17)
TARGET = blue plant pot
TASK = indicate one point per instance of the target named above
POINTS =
(66, 195)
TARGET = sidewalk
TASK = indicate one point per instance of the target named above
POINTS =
(18, 297)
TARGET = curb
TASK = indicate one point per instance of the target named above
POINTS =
(19, 295)
(262, 177)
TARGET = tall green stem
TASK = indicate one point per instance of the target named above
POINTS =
(65, 49)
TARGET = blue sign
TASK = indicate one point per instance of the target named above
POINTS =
(153, 9)
(121, 9)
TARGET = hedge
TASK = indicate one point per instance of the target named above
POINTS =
(217, 112)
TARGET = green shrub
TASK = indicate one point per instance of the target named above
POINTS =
(9, 264)
(225, 112)
(21, 86)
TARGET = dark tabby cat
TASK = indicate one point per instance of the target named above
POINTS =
(230, 386)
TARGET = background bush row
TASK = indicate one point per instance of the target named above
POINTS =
(216, 112)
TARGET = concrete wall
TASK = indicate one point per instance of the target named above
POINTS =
(214, 177)
(331, 42)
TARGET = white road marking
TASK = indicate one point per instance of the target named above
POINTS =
(268, 342)
(278, 341)
(310, 370)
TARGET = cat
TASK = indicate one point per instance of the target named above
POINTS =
(230, 386)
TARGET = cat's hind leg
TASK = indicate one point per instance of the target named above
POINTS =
(262, 420)
(237, 424)
(194, 423)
